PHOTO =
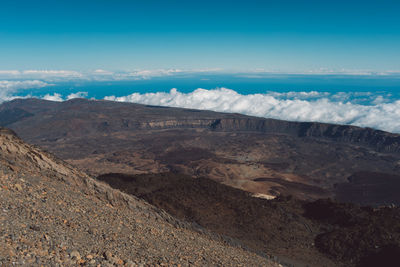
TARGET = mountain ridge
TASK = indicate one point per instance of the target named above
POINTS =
(377, 139)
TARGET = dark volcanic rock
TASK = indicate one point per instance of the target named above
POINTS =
(370, 188)
(357, 234)
(276, 226)
(298, 230)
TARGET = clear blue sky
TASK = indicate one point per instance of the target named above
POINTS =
(241, 35)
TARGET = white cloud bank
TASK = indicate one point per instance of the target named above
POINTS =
(58, 97)
(77, 95)
(53, 97)
(300, 106)
(15, 85)
(8, 89)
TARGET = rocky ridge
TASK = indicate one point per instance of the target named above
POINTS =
(142, 117)
(54, 215)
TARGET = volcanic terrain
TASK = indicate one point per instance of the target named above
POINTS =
(264, 156)
(54, 215)
(227, 189)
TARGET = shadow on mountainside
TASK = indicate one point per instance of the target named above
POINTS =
(315, 233)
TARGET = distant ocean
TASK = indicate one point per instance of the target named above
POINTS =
(242, 85)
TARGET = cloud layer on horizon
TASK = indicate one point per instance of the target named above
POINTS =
(97, 75)
(144, 74)
(293, 106)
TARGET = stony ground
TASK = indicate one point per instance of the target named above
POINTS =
(54, 215)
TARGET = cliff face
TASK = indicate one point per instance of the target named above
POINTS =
(379, 140)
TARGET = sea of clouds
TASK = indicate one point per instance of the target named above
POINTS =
(369, 109)
(360, 109)
(339, 108)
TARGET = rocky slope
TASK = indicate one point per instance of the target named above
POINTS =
(54, 215)
(263, 156)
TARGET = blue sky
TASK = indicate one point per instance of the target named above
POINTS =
(287, 36)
